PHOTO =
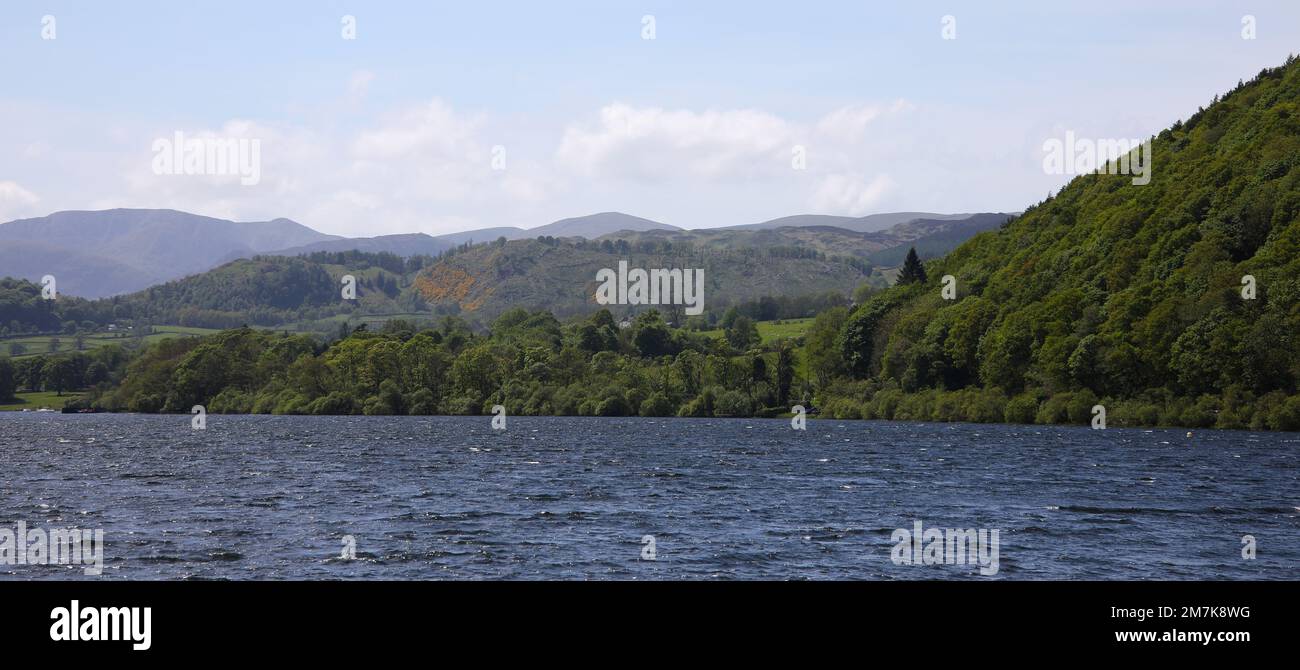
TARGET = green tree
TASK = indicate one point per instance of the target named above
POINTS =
(785, 359)
(742, 334)
(913, 271)
(825, 358)
(8, 380)
(61, 375)
(650, 335)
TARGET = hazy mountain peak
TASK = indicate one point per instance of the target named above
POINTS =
(595, 225)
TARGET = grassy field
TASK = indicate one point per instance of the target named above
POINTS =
(34, 401)
(45, 344)
(770, 331)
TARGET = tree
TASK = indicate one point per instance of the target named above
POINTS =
(742, 334)
(96, 373)
(784, 372)
(650, 335)
(61, 374)
(825, 360)
(8, 380)
(913, 271)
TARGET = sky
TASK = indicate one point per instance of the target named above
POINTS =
(394, 117)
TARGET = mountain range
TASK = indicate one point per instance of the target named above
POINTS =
(96, 254)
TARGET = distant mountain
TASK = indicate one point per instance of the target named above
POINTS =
(931, 237)
(102, 253)
(595, 225)
(798, 220)
(95, 254)
(483, 235)
(75, 273)
(861, 224)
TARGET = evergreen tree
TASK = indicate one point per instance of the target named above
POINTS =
(913, 271)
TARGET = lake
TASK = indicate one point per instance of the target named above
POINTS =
(262, 497)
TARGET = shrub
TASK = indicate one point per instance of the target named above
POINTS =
(656, 405)
(334, 403)
(732, 403)
(1055, 410)
(1021, 409)
(1080, 406)
(1286, 415)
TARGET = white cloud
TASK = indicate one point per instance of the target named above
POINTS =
(428, 167)
(431, 130)
(16, 201)
(850, 194)
(656, 144)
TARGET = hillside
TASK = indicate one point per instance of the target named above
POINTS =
(932, 237)
(407, 244)
(862, 224)
(560, 275)
(1116, 293)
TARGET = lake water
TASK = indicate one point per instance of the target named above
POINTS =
(572, 498)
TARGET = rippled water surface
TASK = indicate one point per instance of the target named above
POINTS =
(572, 498)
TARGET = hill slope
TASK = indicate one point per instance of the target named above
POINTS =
(1125, 293)
(932, 237)
(408, 244)
(861, 224)
(560, 275)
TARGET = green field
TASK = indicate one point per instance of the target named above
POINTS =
(35, 401)
(36, 345)
(770, 331)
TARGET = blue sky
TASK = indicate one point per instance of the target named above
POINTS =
(395, 131)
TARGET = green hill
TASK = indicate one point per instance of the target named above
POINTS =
(559, 275)
(1125, 295)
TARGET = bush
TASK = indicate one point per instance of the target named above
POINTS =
(421, 403)
(1203, 414)
(656, 405)
(613, 405)
(915, 407)
(1286, 416)
(731, 403)
(289, 402)
(984, 406)
(1021, 409)
(1080, 406)
(231, 401)
(1055, 410)
(335, 403)
(841, 408)
(885, 403)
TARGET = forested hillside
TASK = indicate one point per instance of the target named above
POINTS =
(1129, 295)
(559, 275)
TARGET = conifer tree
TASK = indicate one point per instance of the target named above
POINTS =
(913, 271)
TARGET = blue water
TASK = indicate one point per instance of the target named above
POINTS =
(572, 498)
